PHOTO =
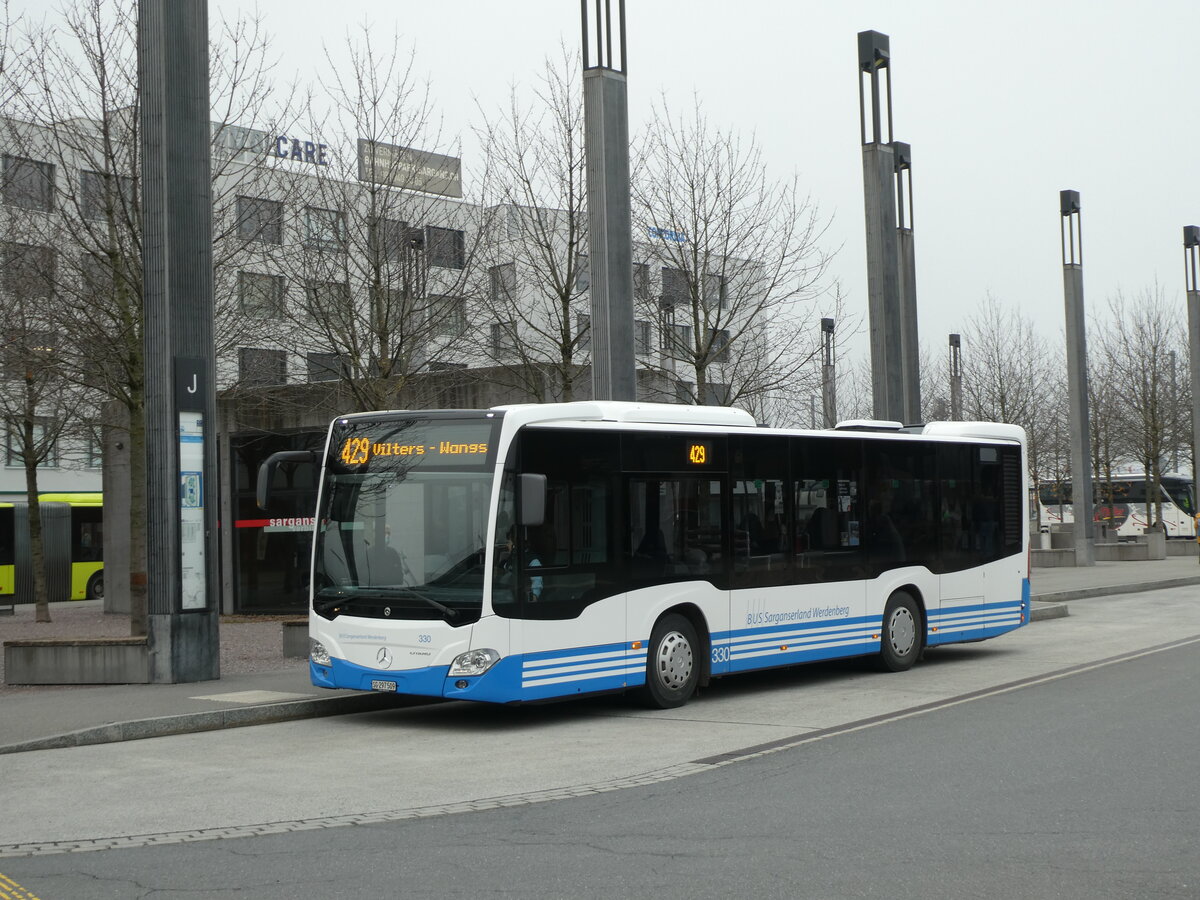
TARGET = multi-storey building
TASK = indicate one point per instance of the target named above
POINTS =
(340, 284)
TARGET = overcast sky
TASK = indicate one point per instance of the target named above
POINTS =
(1005, 104)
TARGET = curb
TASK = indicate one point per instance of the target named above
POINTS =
(1047, 609)
(215, 720)
(1109, 590)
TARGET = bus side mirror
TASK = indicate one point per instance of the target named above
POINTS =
(266, 472)
(533, 498)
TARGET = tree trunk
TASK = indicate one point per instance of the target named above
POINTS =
(37, 556)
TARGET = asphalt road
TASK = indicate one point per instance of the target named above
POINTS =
(1060, 761)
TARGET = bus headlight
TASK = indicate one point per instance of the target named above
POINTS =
(474, 662)
(317, 653)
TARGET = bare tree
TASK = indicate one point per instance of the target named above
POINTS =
(73, 127)
(377, 291)
(536, 295)
(739, 257)
(37, 405)
(1007, 374)
(1141, 334)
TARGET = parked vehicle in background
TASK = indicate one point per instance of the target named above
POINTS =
(1127, 513)
(72, 547)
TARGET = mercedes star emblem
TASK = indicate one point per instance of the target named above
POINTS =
(384, 658)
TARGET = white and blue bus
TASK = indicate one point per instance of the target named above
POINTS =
(541, 551)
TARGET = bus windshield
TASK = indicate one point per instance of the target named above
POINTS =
(403, 519)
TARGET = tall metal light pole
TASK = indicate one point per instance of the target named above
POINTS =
(956, 411)
(1191, 268)
(879, 198)
(906, 255)
(828, 374)
(1070, 227)
(610, 229)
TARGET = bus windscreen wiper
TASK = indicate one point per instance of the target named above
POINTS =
(327, 599)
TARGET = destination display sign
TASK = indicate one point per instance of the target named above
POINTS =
(433, 443)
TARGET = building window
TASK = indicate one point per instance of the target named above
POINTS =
(324, 227)
(641, 336)
(260, 220)
(261, 296)
(29, 270)
(100, 192)
(261, 368)
(95, 452)
(719, 348)
(446, 247)
(674, 286)
(28, 351)
(329, 301)
(28, 184)
(502, 282)
(641, 281)
(714, 292)
(583, 332)
(716, 394)
(449, 315)
(503, 338)
(324, 366)
(95, 276)
(390, 238)
(677, 341)
(13, 457)
(583, 272)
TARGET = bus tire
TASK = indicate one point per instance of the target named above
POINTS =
(95, 586)
(672, 663)
(900, 637)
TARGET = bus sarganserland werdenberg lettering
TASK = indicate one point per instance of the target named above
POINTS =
(531, 552)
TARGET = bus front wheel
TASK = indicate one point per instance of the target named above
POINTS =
(901, 636)
(95, 586)
(672, 664)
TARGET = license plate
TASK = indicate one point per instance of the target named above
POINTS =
(383, 686)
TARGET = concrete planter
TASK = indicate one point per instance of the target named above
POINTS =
(295, 638)
(82, 661)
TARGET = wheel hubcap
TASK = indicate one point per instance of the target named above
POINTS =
(902, 631)
(673, 662)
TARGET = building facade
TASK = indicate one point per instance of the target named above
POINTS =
(344, 280)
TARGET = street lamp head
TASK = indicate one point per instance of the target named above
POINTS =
(901, 155)
(955, 340)
(827, 326)
(874, 51)
(1191, 236)
(1068, 202)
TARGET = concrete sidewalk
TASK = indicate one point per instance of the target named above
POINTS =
(259, 685)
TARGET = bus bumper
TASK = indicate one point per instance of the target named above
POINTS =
(500, 684)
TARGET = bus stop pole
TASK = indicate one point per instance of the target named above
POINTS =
(182, 621)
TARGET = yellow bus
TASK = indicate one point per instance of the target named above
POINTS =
(85, 546)
(72, 547)
(8, 574)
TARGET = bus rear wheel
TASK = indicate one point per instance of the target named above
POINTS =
(901, 634)
(95, 587)
(672, 664)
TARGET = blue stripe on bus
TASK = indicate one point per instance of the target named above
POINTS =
(606, 667)
(796, 655)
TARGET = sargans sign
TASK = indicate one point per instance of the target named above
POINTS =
(414, 170)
